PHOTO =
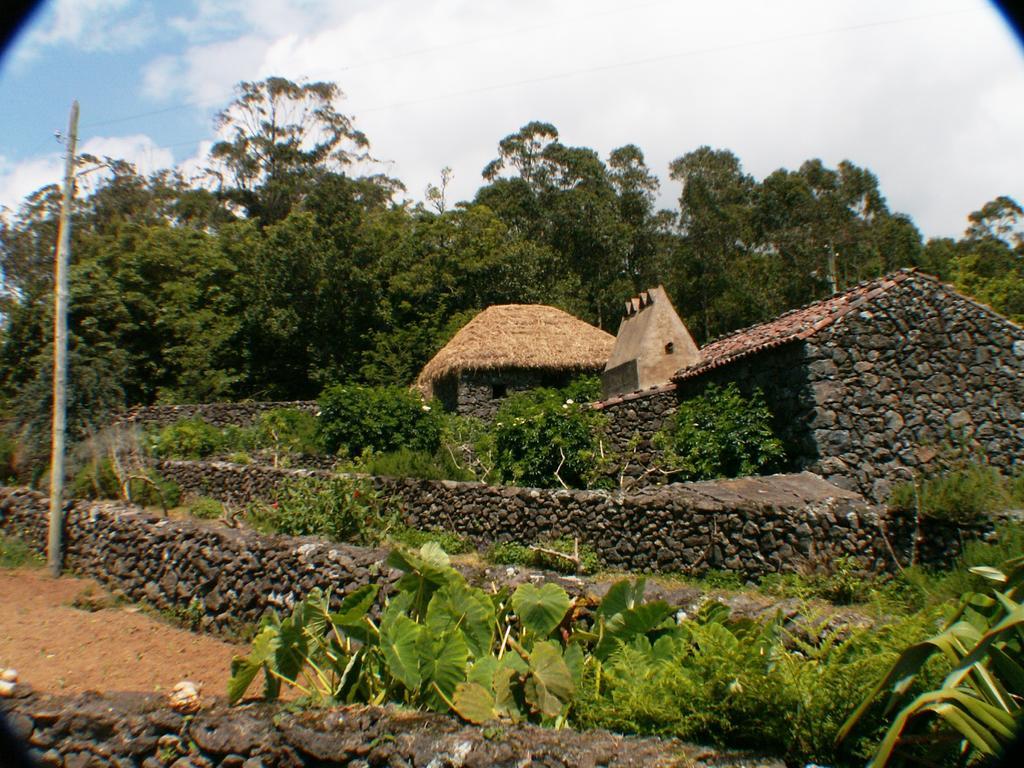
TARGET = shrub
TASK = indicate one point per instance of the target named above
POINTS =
(340, 508)
(189, 439)
(206, 508)
(408, 463)
(545, 439)
(961, 495)
(15, 553)
(355, 418)
(720, 433)
(96, 480)
(510, 553)
(450, 542)
(286, 430)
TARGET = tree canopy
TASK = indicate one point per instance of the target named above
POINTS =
(286, 271)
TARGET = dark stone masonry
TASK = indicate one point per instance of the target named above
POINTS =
(137, 730)
(864, 387)
(753, 526)
(217, 414)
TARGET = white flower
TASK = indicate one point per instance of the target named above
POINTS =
(569, 401)
(426, 407)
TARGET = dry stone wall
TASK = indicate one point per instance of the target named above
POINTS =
(123, 730)
(226, 578)
(217, 414)
(753, 526)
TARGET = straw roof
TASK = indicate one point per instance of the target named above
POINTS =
(520, 336)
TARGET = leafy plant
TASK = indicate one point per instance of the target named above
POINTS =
(355, 418)
(206, 508)
(96, 480)
(189, 439)
(720, 433)
(339, 508)
(962, 495)
(579, 558)
(439, 643)
(15, 553)
(408, 463)
(545, 439)
(977, 710)
(452, 543)
(286, 430)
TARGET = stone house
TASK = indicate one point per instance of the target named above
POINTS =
(863, 385)
(510, 348)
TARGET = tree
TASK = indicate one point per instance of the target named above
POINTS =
(280, 135)
(715, 221)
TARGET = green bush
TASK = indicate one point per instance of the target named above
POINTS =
(720, 433)
(961, 495)
(339, 508)
(452, 543)
(189, 439)
(206, 508)
(155, 491)
(355, 418)
(286, 430)
(543, 437)
(408, 463)
(96, 480)
(15, 553)
(510, 553)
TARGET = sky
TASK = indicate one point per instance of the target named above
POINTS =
(927, 94)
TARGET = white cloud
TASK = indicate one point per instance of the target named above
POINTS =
(20, 179)
(90, 25)
(925, 93)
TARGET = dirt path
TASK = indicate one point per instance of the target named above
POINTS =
(56, 647)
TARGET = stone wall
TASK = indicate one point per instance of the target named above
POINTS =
(753, 526)
(477, 395)
(865, 401)
(123, 730)
(229, 577)
(218, 414)
(920, 365)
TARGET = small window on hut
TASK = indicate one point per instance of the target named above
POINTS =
(499, 391)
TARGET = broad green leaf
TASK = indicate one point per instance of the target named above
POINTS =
(992, 574)
(466, 608)
(398, 639)
(355, 605)
(442, 664)
(426, 571)
(622, 596)
(505, 701)
(540, 609)
(626, 625)
(574, 661)
(474, 703)
(245, 668)
(548, 666)
(482, 671)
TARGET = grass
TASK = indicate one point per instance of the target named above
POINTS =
(15, 553)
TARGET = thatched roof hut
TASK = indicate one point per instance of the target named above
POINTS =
(513, 346)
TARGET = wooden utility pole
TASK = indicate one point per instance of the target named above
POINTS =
(54, 549)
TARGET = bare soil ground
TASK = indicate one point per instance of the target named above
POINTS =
(107, 647)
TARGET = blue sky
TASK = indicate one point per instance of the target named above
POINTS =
(928, 94)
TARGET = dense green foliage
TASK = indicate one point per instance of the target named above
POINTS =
(338, 508)
(965, 494)
(720, 433)
(356, 418)
(548, 437)
(15, 553)
(295, 274)
(622, 663)
(579, 558)
(977, 709)
(280, 432)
